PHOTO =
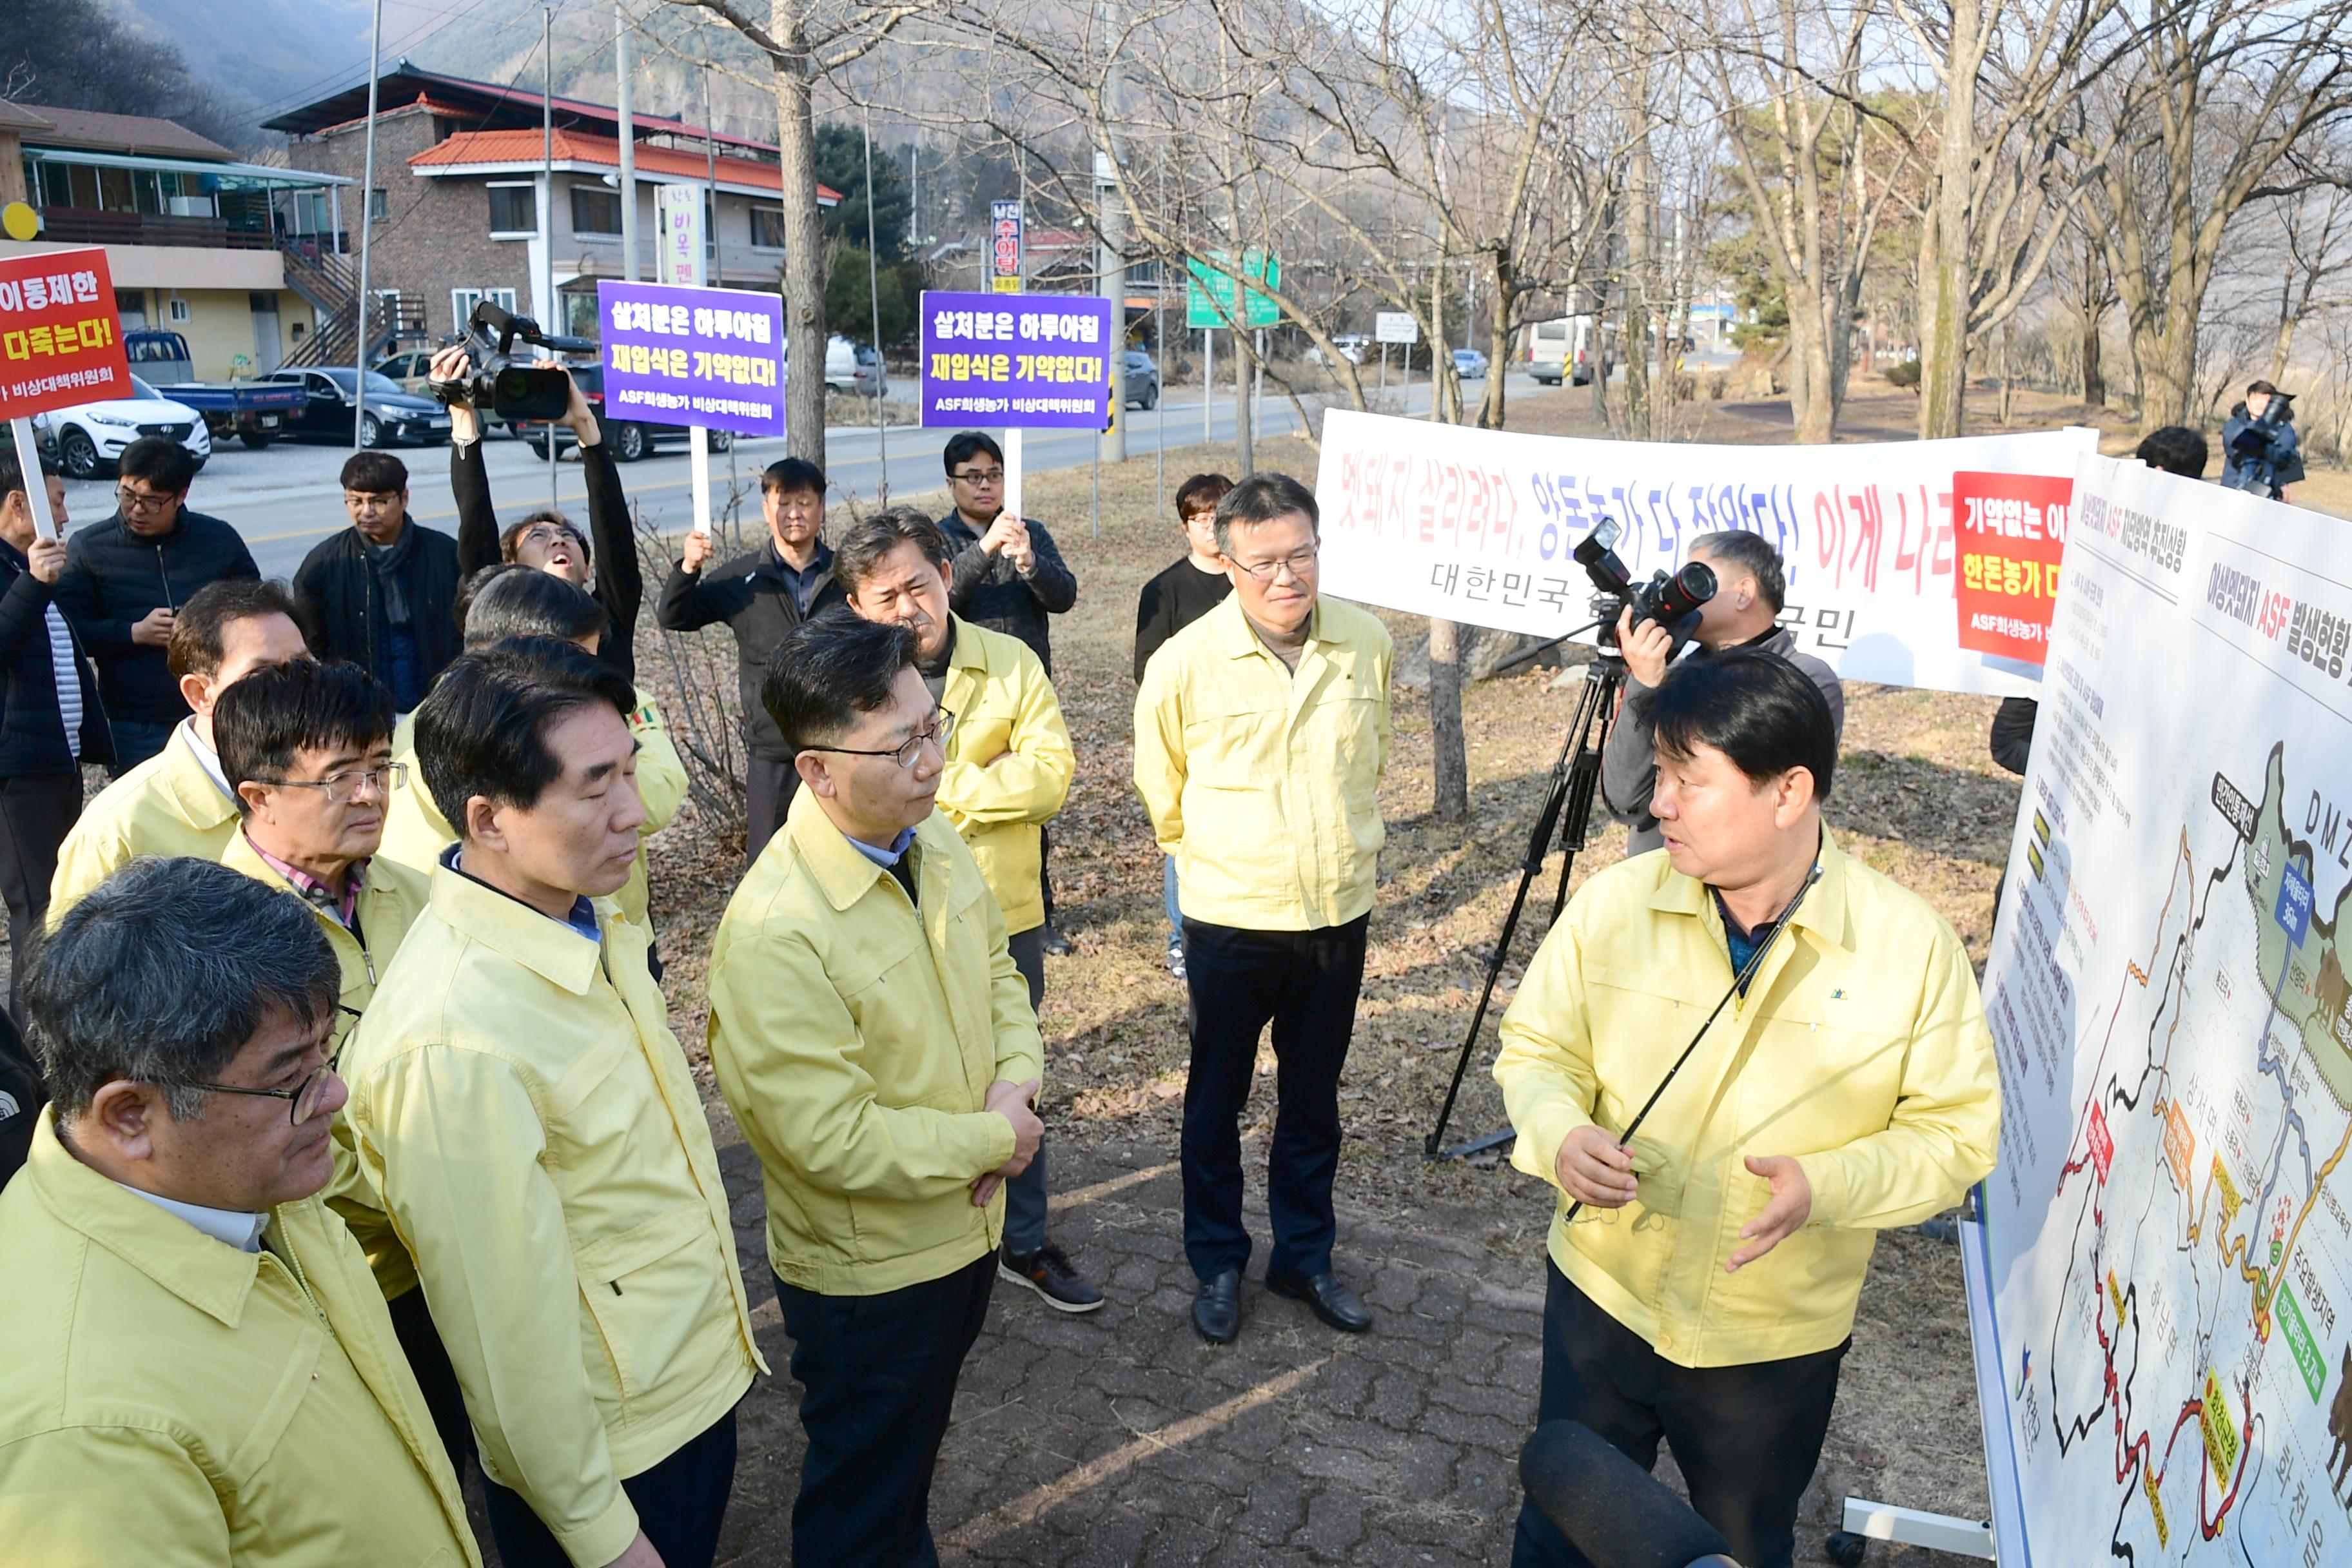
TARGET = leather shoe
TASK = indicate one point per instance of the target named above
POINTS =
(1217, 1308)
(1331, 1300)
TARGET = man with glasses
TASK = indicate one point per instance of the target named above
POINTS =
(382, 594)
(1260, 736)
(1009, 577)
(178, 801)
(1008, 769)
(200, 1367)
(861, 997)
(521, 1111)
(126, 579)
(762, 596)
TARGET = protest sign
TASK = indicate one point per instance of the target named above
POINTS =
(59, 341)
(1477, 526)
(1032, 361)
(1004, 235)
(677, 355)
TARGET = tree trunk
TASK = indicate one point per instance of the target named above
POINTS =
(1812, 372)
(2094, 373)
(804, 329)
(1944, 263)
(1498, 341)
(1244, 447)
(1449, 760)
(1640, 418)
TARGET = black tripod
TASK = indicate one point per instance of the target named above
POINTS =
(1568, 804)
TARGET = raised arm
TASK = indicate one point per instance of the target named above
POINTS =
(1049, 581)
(613, 536)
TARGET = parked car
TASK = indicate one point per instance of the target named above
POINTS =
(854, 367)
(409, 371)
(89, 436)
(1352, 347)
(254, 410)
(1140, 379)
(631, 438)
(392, 418)
(1470, 364)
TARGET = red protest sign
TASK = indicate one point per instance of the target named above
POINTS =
(59, 341)
(2012, 536)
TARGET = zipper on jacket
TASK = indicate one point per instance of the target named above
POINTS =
(164, 570)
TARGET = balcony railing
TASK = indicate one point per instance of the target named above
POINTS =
(83, 226)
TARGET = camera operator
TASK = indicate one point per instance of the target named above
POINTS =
(545, 539)
(1705, 1291)
(2260, 451)
(1744, 613)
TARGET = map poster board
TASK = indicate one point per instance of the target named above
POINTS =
(2167, 1240)
(1477, 526)
(680, 355)
(1025, 361)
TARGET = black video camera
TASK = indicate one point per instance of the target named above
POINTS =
(1673, 602)
(503, 385)
(2255, 449)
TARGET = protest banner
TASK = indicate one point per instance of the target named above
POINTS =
(61, 344)
(1020, 362)
(680, 355)
(1477, 526)
(2161, 1284)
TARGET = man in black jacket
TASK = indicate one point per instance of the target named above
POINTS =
(383, 593)
(1008, 577)
(126, 577)
(761, 596)
(50, 717)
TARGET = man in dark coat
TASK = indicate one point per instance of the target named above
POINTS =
(382, 594)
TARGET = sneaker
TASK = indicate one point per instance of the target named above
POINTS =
(1176, 959)
(1047, 1271)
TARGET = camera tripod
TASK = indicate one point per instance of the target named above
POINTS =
(1567, 807)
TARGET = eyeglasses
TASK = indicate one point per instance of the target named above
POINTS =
(942, 725)
(141, 501)
(548, 533)
(306, 1095)
(1301, 564)
(342, 788)
(980, 477)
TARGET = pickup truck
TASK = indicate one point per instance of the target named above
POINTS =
(258, 412)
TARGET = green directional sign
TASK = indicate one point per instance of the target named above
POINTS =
(1209, 296)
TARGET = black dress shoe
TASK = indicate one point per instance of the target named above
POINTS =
(1057, 944)
(1331, 1301)
(1217, 1310)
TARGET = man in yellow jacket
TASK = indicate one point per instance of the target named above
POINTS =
(875, 1042)
(1008, 771)
(522, 1110)
(177, 802)
(200, 1369)
(1261, 734)
(509, 601)
(1703, 1288)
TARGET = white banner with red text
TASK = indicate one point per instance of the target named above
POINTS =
(1928, 564)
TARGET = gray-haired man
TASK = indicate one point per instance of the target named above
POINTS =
(1745, 613)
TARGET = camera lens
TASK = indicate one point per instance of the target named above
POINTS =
(1686, 590)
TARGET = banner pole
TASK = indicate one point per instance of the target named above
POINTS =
(698, 456)
(37, 492)
(1013, 471)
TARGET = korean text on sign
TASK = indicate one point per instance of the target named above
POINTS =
(679, 355)
(59, 340)
(2010, 536)
(1037, 359)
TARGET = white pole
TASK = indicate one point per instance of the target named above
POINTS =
(546, 301)
(367, 217)
(28, 463)
(629, 129)
(1013, 471)
(1257, 386)
(1208, 375)
(874, 313)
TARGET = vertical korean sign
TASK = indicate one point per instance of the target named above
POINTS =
(706, 357)
(678, 254)
(1004, 237)
(2012, 534)
(59, 345)
(1021, 361)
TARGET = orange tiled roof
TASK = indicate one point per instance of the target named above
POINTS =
(472, 147)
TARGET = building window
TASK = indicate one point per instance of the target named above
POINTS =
(514, 209)
(380, 207)
(463, 300)
(767, 228)
(595, 210)
(175, 310)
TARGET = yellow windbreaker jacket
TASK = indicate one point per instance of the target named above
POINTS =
(169, 1401)
(167, 805)
(1860, 1047)
(1263, 784)
(533, 1130)
(1003, 703)
(854, 1036)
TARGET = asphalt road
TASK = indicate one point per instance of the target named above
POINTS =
(285, 499)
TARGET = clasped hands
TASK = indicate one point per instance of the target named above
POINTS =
(1010, 536)
(1016, 1102)
(1596, 1171)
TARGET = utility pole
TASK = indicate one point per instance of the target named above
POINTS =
(874, 311)
(367, 223)
(544, 307)
(628, 128)
(1110, 234)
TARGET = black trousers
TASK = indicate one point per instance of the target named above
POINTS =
(877, 1376)
(1747, 1437)
(680, 1504)
(768, 788)
(37, 812)
(412, 1323)
(1305, 982)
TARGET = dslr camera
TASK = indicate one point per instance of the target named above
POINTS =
(2255, 449)
(1673, 602)
(502, 385)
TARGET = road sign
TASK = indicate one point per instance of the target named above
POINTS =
(1209, 296)
(1396, 326)
(1004, 224)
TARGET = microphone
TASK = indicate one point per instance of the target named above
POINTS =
(1612, 1511)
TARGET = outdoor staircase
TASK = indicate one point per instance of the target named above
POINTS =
(329, 284)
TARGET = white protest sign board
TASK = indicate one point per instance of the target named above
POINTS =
(1477, 526)
(2167, 1240)
(1396, 326)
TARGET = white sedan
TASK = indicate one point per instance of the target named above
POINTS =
(89, 436)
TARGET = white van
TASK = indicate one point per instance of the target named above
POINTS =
(1556, 349)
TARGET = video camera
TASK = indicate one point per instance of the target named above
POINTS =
(2255, 450)
(503, 385)
(1673, 602)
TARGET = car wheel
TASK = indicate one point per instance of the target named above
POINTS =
(539, 447)
(723, 440)
(629, 442)
(1150, 398)
(256, 439)
(371, 431)
(78, 454)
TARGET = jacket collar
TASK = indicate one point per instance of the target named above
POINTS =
(843, 875)
(1822, 912)
(547, 948)
(192, 789)
(1239, 640)
(208, 1275)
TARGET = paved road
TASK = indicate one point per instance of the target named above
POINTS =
(285, 499)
